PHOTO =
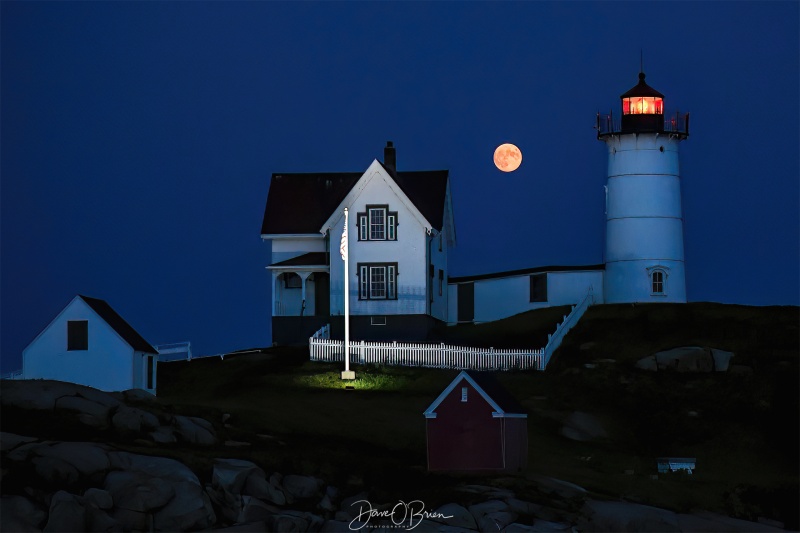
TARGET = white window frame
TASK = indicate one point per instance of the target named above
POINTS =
(377, 281)
(657, 281)
(377, 228)
(651, 275)
(377, 223)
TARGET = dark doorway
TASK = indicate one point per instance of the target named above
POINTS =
(466, 302)
(150, 369)
(322, 293)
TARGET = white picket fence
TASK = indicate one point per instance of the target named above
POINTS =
(427, 355)
(322, 348)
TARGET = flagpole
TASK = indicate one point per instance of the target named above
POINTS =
(344, 248)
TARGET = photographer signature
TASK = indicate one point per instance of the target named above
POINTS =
(406, 515)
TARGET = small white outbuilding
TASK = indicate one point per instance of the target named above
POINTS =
(91, 344)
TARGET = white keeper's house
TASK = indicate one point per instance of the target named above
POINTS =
(401, 226)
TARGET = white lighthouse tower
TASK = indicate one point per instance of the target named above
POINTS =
(644, 220)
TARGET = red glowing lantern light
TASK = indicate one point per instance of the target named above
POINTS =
(643, 105)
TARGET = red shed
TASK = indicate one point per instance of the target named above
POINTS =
(475, 424)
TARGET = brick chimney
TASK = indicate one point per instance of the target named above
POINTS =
(390, 156)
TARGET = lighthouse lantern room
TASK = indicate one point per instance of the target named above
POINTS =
(644, 259)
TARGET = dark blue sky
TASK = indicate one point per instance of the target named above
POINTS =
(138, 140)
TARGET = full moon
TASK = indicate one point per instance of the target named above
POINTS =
(507, 157)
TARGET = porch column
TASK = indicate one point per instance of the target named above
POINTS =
(303, 277)
(276, 294)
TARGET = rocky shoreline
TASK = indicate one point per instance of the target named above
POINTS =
(59, 485)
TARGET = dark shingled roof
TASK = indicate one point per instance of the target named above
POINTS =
(118, 324)
(496, 392)
(311, 258)
(301, 203)
(427, 189)
(523, 271)
(642, 89)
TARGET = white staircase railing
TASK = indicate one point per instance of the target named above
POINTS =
(554, 339)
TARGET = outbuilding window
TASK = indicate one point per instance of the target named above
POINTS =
(464, 394)
(77, 335)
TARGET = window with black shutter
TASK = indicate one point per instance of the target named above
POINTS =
(377, 224)
(377, 281)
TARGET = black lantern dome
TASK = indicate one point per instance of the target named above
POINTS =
(642, 112)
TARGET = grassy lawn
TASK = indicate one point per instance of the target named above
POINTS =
(744, 431)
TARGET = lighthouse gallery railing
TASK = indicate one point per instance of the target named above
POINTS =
(609, 124)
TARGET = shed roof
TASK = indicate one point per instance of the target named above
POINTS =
(118, 324)
(488, 387)
(492, 387)
(309, 259)
(301, 203)
(523, 271)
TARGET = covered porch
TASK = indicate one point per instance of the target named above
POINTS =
(301, 286)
